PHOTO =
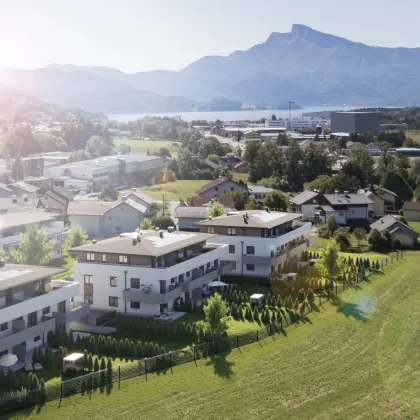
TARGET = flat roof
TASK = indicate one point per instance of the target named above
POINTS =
(151, 244)
(10, 220)
(256, 219)
(15, 274)
(73, 357)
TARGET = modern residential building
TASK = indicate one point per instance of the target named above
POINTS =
(348, 209)
(259, 192)
(383, 200)
(411, 211)
(31, 305)
(144, 272)
(259, 240)
(141, 198)
(102, 219)
(355, 122)
(219, 186)
(13, 224)
(398, 230)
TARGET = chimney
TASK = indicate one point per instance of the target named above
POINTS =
(123, 198)
(382, 220)
(336, 191)
(134, 189)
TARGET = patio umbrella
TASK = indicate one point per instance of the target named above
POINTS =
(8, 360)
(216, 283)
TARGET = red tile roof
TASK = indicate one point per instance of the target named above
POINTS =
(224, 200)
(410, 205)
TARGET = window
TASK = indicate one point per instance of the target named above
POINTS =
(173, 280)
(113, 301)
(3, 353)
(89, 299)
(37, 338)
(46, 310)
(208, 265)
(340, 213)
(188, 274)
(250, 267)
(210, 230)
(231, 231)
(3, 327)
(217, 189)
(250, 250)
(135, 305)
(122, 259)
(88, 279)
(103, 257)
(231, 249)
(135, 283)
(113, 281)
(31, 319)
(90, 257)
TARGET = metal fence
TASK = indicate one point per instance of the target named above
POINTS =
(104, 379)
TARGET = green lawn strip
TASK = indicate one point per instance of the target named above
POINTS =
(174, 190)
(65, 262)
(358, 360)
(153, 146)
(415, 226)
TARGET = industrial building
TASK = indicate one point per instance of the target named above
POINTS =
(355, 122)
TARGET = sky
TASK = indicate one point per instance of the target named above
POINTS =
(144, 35)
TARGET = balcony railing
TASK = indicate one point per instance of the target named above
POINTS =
(136, 295)
(77, 311)
(226, 267)
(200, 281)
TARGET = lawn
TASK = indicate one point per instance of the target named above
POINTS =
(65, 262)
(355, 360)
(142, 146)
(415, 226)
(174, 190)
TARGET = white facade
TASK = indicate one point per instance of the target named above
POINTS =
(275, 123)
(184, 279)
(306, 123)
(98, 175)
(343, 216)
(222, 188)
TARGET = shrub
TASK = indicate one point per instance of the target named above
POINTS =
(69, 371)
(323, 231)
(15, 400)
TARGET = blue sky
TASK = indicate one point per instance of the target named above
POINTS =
(142, 35)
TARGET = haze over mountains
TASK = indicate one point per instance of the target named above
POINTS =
(307, 66)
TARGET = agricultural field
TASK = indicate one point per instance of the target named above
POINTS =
(142, 146)
(173, 191)
(355, 359)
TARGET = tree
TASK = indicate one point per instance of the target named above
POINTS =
(216, 314)
(273, 117)
(360, 235)
(293, 172)
(360, 164)
(3, 255)
(331, 225)
(342, 237)
(214, 158)
(98, 146)
(392, 180)
(216, 210)
(125, 149)
(276, 200)
(252, 203)
(76, 237)
(282, 140)
(416, 194)
(108, 193)
(35, 248)
(375, 239)
(147, 224)
(330, 264)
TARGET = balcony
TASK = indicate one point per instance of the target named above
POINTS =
(77, 311)
(137, 295)
(226, 267)
(200, 279)
(257, 260)
(298, 248)
(46, 325)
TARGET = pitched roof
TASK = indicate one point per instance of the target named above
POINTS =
(224, 200)
(24, 186)
(410, 205)
(142, 196)
(216, 183)
(378, 187)
(259, 189)
(9, 220)
(63, 192)
(347, 199)
(303, 197)
(191, 212)
(391, 223)
(4, 187)
(54, 196)
(256, 219)
(210, 164)
(99, 208)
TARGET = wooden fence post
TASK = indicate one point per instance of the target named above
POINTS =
(170, 359)
(194, 352)
(145, 367)
(237, 341)
(257, 334)
(119, 374)
(61, 389)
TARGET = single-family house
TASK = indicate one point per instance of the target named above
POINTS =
(259, 192)
(22, 187)
(219, 186)
(101, 219)
(398, 230)
(56, 200)
(141, 198)
(383, 200)
(242, 167)
(224, 200)
(411, 211)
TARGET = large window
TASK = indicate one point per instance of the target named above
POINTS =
(37, 338)
(231, 231)
(90, 257)
(135, 305)
(46, 310)
(88, 279)
(250, 267)
(210, 229)
(250, 250)
(3, 327)
(113, 301)
(135, 283)
(113, 281)
(123, 259)
(31, 319)
(231, 249)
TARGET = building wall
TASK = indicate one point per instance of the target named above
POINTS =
(51, 203)
(412, 215)
(351, 122)
(378, 205)
(187, 223)
(4, 193)
(307, 210)
(225, 187)
(406, 240)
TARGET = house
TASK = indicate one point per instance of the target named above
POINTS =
(258, 240)
(17, 203)
(209, 164)
(144, 272)
(383, 200)
(230, 161)
(32, 305)
(5, 191)
(22, 187)
(102, 219)
(259, 192)
(219, 186)
(189, 216)
(141, 198)
(56, 200)
(205, 201)
(411, 211)
(242, 167)
(348, 209)
(398, 230)
(13, 224)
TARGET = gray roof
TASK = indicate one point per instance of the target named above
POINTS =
(24, 186)
(10, 220)
(378, 187)
(16, 274)
(391, 223)
(99, 208)
(327, 209)
(142, 196)
(63, 192)
(303, 197)
(4, 187)
(7, 204)
(210, 164)
(57, 197)
(259, 189)
(347, 199)
(256, 219)
(151, 243)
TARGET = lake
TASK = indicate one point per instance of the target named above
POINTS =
(234, 115)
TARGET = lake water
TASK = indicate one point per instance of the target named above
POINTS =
(234, 115)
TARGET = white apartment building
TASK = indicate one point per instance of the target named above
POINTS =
(258, 240)
(144, 272)
(31, 305)
(304, 123)
(12, 225)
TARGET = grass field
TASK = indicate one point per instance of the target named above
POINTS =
(355, 360)
(174, 190)
(142, 146)
(415, 226)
